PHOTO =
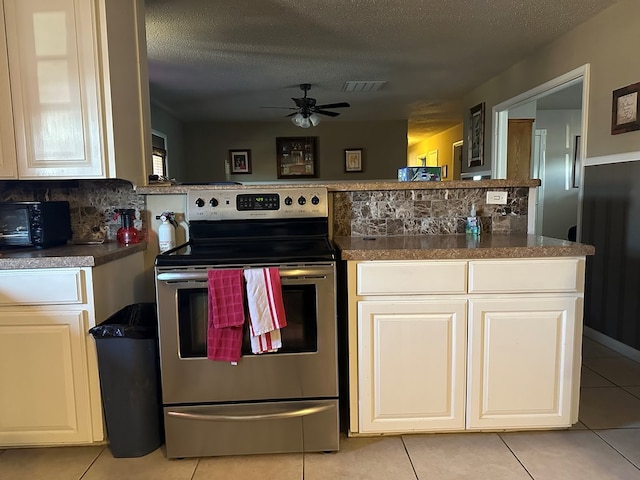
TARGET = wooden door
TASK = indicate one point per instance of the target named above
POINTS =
(519, 143)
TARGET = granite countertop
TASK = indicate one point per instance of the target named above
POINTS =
(442, 247)
(66, 255)
(342, 186)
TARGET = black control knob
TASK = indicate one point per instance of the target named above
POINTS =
(315, 200)
(213, 202)
(199, 202)
(302, 200)
(288, 201)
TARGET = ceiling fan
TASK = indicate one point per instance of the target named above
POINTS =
(307, 110)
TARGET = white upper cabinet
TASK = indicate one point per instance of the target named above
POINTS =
(78, 83)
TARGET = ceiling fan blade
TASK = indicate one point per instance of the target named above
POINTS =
(334, 105)
(286, 108)
(325, 112)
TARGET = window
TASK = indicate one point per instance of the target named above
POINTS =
(159, 153)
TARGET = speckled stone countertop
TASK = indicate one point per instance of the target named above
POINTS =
(343, 186)
(66, 256)
(442, 247)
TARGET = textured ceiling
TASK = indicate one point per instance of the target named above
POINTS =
(225, 59)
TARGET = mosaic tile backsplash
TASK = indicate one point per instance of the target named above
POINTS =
(426, 212)
(93, 203)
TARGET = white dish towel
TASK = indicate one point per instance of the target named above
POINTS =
(266, 308)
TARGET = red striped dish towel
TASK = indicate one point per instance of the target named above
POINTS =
(226, 315)
(266, 308)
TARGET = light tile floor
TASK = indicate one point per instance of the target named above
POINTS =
(604, 445)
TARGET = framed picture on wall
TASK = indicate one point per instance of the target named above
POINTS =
(296, 157)
(240, 161)
(353, 160)
(476, 136)
(625, 114)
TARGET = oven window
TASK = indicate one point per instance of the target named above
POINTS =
(300, 335)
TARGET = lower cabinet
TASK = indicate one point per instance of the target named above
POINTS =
(412, 365)
(521, 362)
(507, 358)
(44, 374)
(49, 384)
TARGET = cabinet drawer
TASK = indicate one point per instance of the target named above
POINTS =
(527, 276)
(411, 278)
(34, 287)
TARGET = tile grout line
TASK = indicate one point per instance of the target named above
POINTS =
(195, 468)
(515, 456)
(92, 463)
(406, 450)
(615, 449)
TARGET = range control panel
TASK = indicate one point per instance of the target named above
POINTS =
(239, 204)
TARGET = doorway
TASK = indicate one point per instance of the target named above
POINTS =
(559, 108)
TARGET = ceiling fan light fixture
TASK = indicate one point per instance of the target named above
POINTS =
(305, 122)
(297, 119)
(314, 119)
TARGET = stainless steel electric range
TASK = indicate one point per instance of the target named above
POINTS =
(285, 401)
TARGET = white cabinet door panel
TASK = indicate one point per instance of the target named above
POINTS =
(55, 88)
(521, 358)
(45, 400)
(411, 365)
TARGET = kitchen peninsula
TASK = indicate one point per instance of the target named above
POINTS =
(450, 332)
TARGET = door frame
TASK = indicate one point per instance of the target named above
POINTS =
(500, 114)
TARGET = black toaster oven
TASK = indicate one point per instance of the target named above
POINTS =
(34, 224)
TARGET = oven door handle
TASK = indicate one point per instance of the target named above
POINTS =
(298, 412)
(202, 276)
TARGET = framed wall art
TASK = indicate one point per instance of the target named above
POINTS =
(476, 136)
(353, 160)
(240, 161)
(625, 115)
(296, 157)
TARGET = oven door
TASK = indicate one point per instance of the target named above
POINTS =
(306, 366)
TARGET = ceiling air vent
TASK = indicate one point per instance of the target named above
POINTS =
(362, 86)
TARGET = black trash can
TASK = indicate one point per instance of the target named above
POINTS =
(128, 364)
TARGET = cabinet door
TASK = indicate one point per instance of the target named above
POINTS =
(8, 165)
(411, 365)
(55, 88)
(521, 358)
(43, 373)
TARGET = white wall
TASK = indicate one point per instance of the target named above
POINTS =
(560, 199)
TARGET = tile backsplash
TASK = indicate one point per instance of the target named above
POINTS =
(93, 203)
(426, 212)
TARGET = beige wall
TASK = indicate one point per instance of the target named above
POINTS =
(606, 42)
(443, 142)
(207, 145)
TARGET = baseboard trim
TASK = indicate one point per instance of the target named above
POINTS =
(612, 343)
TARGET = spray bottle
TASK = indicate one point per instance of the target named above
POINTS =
(127, 234)
(167, 231)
